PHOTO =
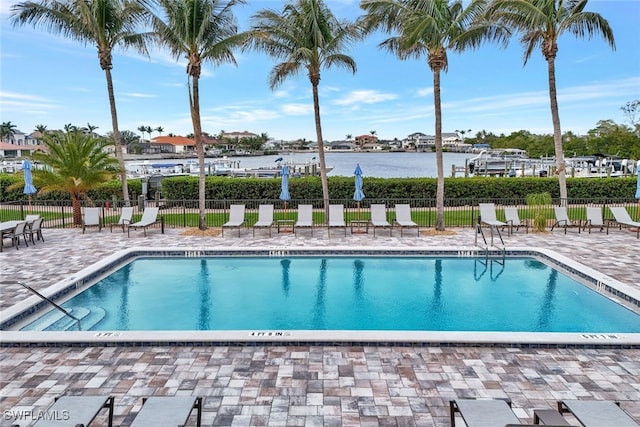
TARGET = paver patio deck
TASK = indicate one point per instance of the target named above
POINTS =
(311, 385)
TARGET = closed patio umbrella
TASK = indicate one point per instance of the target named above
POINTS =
(29, 189)
(284, 192)
(358, 195)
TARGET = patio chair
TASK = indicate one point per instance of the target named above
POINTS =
(482, 413)
(403, 218)
(265, 218)
(125, 218)
(31, 218)
(236, 218)
(597, 413)
(20, 229)
(168, 411)
(36, 231)
(622, 217)
(595, 219)
(77, 410)
(563, 220)
(336, 218)
(512, 218)
(149, 218)
(379, 218)
(488, 215)
(91, 218)
(305, 218)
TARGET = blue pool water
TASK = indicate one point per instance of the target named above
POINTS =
(343, 293)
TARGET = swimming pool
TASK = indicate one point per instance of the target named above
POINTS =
(444, 295)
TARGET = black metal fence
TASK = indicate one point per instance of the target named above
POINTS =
(185, 213)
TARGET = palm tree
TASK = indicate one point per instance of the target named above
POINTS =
(41, 129)
(7, 130)
(77, 163)
(90, 128)
(305, 35)
(159, 129)
(431, 28)
(541, 23)
(68, 128)
(349, 137)
(200, 30)
(142, 130)
(102, 23)
(462, 132)
(149, 129)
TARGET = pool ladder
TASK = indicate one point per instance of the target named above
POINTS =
(480, 231)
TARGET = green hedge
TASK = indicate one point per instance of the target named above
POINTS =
(310, 188)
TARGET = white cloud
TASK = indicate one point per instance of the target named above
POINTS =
(365, 97)
(297, 109)
(425, 91)
(139, 95)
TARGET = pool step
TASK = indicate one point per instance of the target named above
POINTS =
(55, 320)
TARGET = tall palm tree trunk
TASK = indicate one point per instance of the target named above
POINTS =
(194, 99)
(439, 163)
(557, 133)
(116, 137)
(77, 210)
(323, 165)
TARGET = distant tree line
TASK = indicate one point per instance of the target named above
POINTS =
(608, 137)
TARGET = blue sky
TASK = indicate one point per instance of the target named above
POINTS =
(47, 79)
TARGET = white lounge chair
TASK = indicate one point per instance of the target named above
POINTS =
(482, 413)
(236, 218)
(512, 218)
(563, 220)
(305, 218)
(597, 413)
(403, 218)
(379, 218)
(77, 410)
(595, 219)
(622, 217)
(149, 218)
(336, 218)
(488, 217)
(265, 218)
(168, 411)
(125, 218)
(91, 218)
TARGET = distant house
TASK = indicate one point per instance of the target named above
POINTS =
(450, 139)
(366, 139)
(172, 144)
(418, 141)
(20, 144)
(372, 146)
(238, 135)
(342, 145)
(421, 142)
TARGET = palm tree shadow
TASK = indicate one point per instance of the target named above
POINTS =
(204, 314)
(286, 283)
(319, 306)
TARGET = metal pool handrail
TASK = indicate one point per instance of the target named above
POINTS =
(65, 312)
